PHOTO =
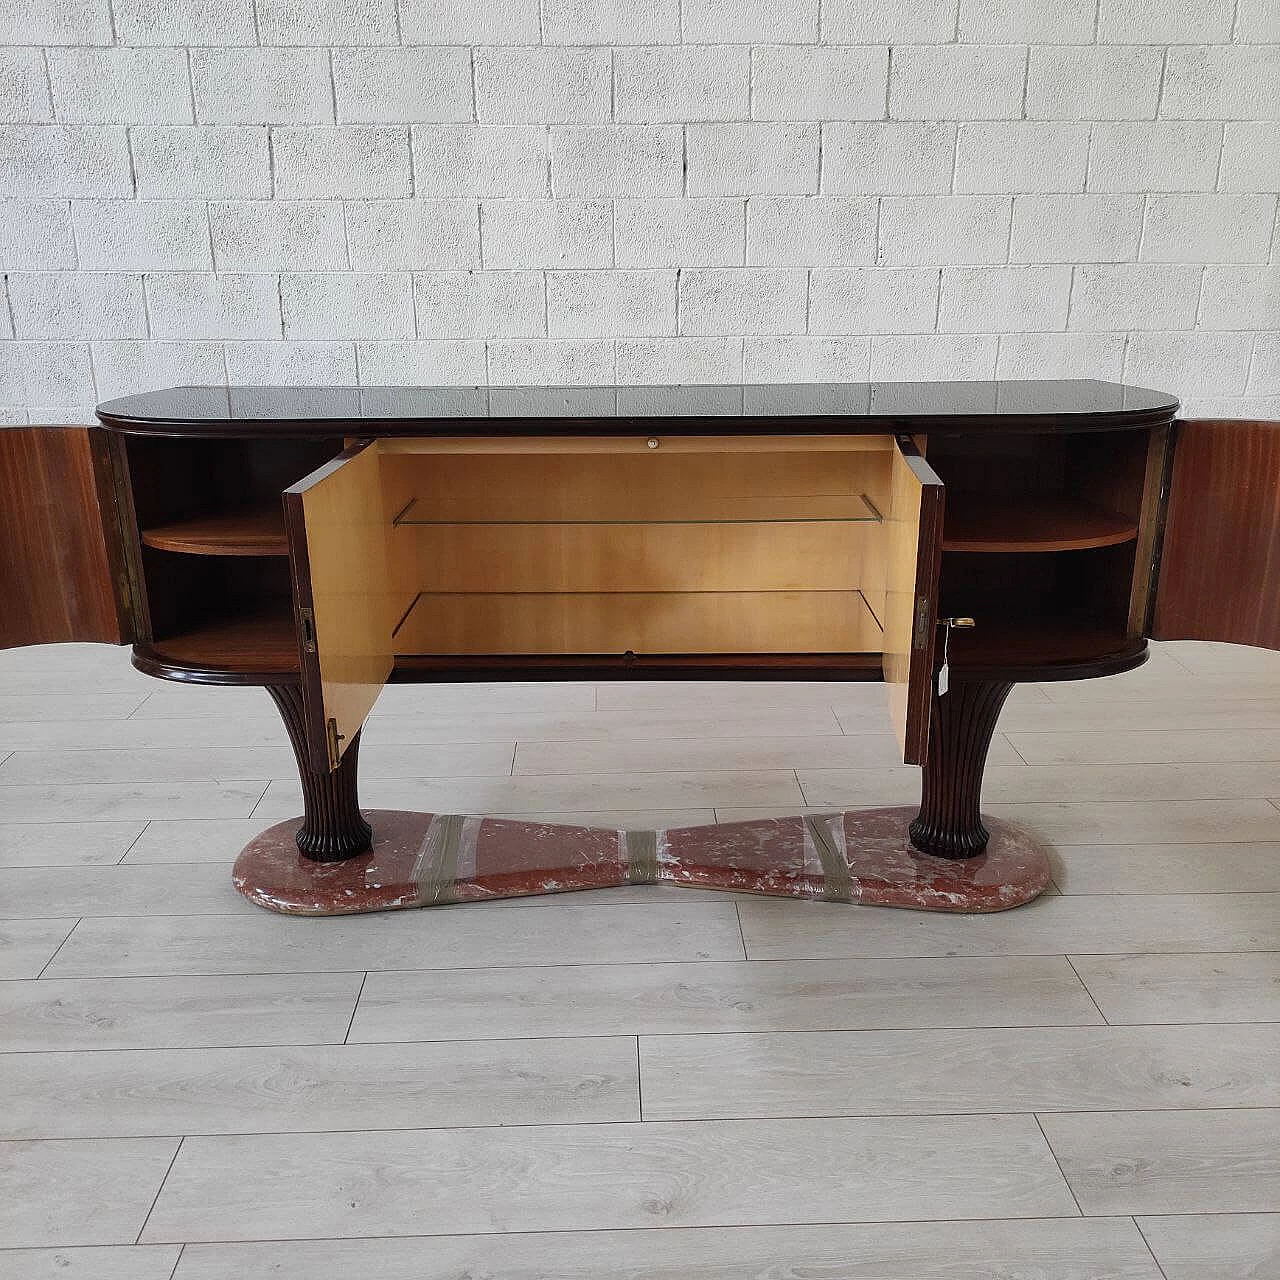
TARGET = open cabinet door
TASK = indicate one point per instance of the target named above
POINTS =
(1218, 576)
(914, 556)
(336, 529)
(63, 572)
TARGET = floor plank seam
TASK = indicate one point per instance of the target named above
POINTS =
(1147, 1243)
(63, 943)
(145, 827)
(611, 964)
(137, 1240)
(639, 1081)
(1066, 1182)
(1092, 999)
(355, 1008)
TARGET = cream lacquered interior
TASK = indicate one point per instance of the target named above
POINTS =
(650, 545)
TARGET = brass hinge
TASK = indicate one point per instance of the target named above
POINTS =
(922, 622)
(308, 619)
(333, 737)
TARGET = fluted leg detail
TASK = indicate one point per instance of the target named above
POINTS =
(333, 828)
(949, 824)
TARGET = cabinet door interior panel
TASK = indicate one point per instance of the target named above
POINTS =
(1219, 569)
(62, 568)
(336, 525)
(909, 612)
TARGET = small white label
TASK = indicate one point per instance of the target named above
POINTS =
(944, 679)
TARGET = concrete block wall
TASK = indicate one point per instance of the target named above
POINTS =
(577, 191)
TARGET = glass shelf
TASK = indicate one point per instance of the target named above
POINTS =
(821, 509)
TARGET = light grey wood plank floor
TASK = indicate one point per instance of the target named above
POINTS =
(705, 928)
(171, 1013)
(843, 1073)
(1216, 987)
(1046, 1249)
(1206, 1246)
(159, 1092)
(605, 1087)
(89, 1262)
(659, 999)
(1177, 868)
(95, 1192)
(1139, 1162)
(26, 946)
(633, 1176)
(51, 844)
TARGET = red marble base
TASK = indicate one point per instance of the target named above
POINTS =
(426, 860)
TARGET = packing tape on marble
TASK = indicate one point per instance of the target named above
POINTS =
(826, 831)
(450, 838)
(448, 857)
(641, 850)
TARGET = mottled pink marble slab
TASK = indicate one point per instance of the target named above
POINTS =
(424, 860)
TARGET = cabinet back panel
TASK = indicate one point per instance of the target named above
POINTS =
(826, 556)
(658, 485)
(693, 547)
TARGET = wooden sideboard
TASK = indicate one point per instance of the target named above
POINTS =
(949, 539)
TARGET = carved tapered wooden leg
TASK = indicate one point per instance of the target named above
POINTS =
(949, 824)
(333, 828)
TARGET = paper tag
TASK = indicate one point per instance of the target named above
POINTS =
(944, 679)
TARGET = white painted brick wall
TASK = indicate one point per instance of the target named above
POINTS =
(80, 304)
(333, 305)
(795, 231)
(332, 22)
(277, 235)
(115, 86)
(687, 191)
(350, 160)
(627, 160)
(175, 22)
(402, 86)
(385, 235)
(453, 160)
(199, 305)
(262, 86)
(214, 161)
(679, 233)
(547, 233)
(742, 159)
(604, 304)
(26, 86)
(693, 82)
(880, 300)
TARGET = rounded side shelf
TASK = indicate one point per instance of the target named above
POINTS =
(255, 532)
(1044, 524)
(255, 650)
(1036, 654)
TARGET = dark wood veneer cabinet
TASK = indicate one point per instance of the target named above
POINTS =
(949, 539)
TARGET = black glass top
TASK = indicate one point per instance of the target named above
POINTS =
(211, 408)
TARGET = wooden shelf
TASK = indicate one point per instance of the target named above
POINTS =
(243, 650)
(256, 531)
(1033, 524)
(1040, 646)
